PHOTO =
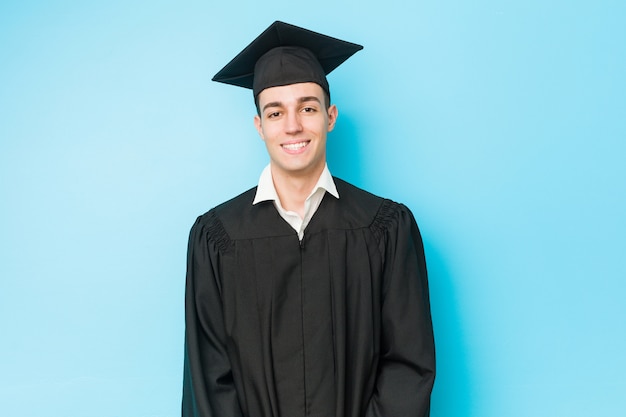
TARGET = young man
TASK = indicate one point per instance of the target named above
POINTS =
(306, 296)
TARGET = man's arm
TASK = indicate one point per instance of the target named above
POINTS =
(406, 371)
(208, 386)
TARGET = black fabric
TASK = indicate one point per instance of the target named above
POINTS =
(288, 65)
(323, 54)
(336, 325)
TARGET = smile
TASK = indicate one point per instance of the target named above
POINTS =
(294, 147)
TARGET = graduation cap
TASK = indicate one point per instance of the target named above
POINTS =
(286, 54)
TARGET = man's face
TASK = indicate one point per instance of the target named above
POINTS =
(293, 123)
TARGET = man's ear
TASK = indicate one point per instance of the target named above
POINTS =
(332, 117)
(259, 126)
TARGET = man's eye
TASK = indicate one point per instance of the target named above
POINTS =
(273, 115)
(308, 109)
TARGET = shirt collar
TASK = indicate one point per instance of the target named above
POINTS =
(267, 192)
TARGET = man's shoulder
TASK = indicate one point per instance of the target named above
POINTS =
(236, 205)
(378, 212)
(358, 200)
(240, 219)
(362, 207)
(230, 210)
(354, 193)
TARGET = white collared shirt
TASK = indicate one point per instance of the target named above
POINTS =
(267, 192)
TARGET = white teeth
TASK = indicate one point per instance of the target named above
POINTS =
(294, 146)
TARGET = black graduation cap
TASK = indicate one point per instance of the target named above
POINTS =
(286, 54)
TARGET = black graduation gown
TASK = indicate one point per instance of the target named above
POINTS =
(337, 325)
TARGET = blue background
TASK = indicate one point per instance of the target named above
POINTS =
(501, 124)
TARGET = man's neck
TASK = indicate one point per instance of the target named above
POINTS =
(293, 190)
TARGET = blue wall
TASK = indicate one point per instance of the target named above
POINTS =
(501, 124)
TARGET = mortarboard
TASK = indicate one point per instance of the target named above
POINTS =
(286, 54)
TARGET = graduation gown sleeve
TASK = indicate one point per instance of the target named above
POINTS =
(406, 370)
(208, 385)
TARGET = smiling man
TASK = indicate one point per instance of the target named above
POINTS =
(306, 296)
(293, 122)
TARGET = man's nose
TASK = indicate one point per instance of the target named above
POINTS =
(293, 122)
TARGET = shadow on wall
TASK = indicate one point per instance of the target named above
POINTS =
(344, 151)
(452, 395)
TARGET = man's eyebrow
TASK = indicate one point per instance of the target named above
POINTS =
(272, 104)
(309, 98)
